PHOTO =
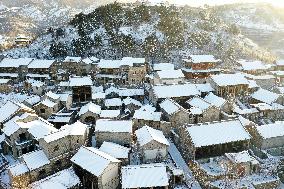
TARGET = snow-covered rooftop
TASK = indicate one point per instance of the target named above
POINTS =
(163, 66)
(93, 160)
(130, 92)
(48, 103)
(202, 59)
(215, 100)
(241, 157)
(147, 115)
(110, 113)
(35, 159)
(52, 95)
(252, 65)
(64, 179)
(104, 125)
(271, 130)
(129, 100)
(170, 106)
(199, 103)
(113, 102)
(147, 134)
(80, 81)
(208, 134)
(41, 63)
(170, 74)
(15, 63)
(182, 90)
(144, 176)
(115, 150)
(72, 59)
(230, 79)
(90, 107)
(18, 169)
(76, 128)
(265, 96)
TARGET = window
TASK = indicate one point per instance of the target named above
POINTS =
(56, 148)
(42, 111)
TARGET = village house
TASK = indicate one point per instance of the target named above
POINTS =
(204, 89)
(219, 102)
(66, 100)
(229, 84)
(66, 178)
(110, 114)
(99, 98)
(23, 132)
(265, 96)
(5, 85)
(202, 111)
(49, 105)
(279, 65)
(117, 151)
(163, 66)
(11, 109)
(59, 146)
(89, 113)
(268, 136)
(254, 67)
(144, 176)
(136, 93)
(220, 137)
(243, 163)
(263, 81)
(168, 77)
(14, 68)
(146, 115)
(180, 93)
(96, 169)
(113, 104)
(245, 110)
(126, 71)
(116, 131)
(62, 118)
(73, 65)
(32, 167)
(174, 113)
(81, 88)
(152, 145)
(200, 66)
(131, 105)
(31, 100)
(42, 70)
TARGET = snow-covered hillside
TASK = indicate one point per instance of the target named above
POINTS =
(195, 30)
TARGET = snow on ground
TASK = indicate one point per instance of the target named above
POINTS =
(180, 163)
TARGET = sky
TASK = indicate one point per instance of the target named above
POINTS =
(278, 3)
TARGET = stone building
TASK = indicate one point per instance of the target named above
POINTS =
(146, 115)
(168, 77)
(180, 93)
(174, 113)
(221, 137)
(117, 151)
(116, 131)
(200, 66)
(23, 132)
(152, 145)
(126, 71)
(89, 113)
(11, 109)
(96, 169)
(202, 111)
(5, 85)
(15, 69)
(42, 70)
(59, 146)
(229, 84)
(81, 88)
(145, 176)
(49, 105)
(254, 67)
(268, 136)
